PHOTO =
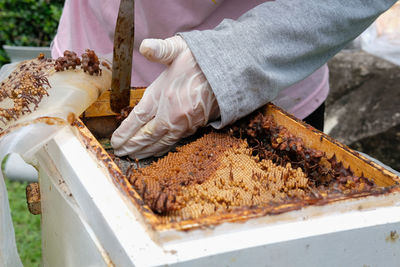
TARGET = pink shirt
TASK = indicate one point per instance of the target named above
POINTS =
(91, 23)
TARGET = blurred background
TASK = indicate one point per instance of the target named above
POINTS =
(362, 110)
(27, 23)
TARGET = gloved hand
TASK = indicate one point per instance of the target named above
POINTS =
(174, 106)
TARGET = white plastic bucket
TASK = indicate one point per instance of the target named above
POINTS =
(19, 53)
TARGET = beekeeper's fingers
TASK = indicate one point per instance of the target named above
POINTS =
(142, 113)
(147, 135)
(162, 51)
(157, 149)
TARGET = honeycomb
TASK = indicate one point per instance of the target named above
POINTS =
(198, 181)
(254, 163)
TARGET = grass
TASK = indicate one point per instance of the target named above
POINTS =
(26, 225)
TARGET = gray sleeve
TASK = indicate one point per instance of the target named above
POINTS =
(273, 46)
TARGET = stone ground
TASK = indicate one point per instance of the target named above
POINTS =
(363, 109)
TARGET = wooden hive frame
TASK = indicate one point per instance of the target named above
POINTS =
(311, 137)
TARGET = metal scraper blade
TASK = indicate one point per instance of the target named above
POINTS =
(122, 56)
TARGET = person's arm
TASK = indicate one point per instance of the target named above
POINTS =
(273, 46)
(237, 67)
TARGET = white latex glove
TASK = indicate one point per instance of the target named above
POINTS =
(174, 106)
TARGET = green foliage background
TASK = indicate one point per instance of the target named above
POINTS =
(28, 23)
(26, 225)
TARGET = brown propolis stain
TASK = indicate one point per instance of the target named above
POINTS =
(392, 237)
(71, 118)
